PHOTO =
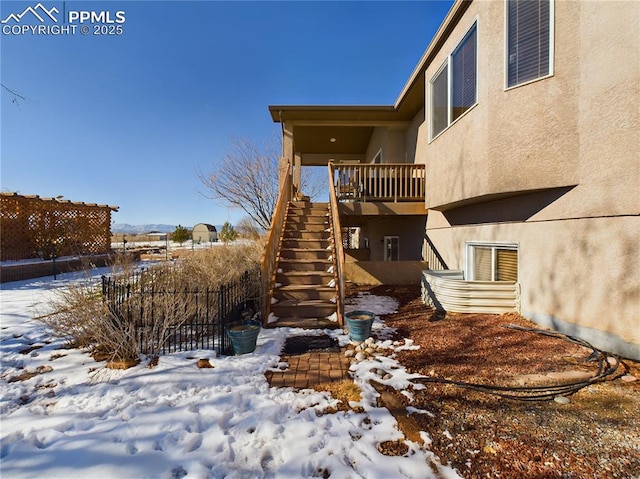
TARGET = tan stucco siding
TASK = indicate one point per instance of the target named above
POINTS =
(416, 139)
(577, 127)
(609, 99)
(572, 141)
(392, 143)
(576, 270)
(410, 231)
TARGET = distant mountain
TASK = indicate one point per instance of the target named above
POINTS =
(135, 229)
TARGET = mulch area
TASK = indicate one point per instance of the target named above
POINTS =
(595, 435)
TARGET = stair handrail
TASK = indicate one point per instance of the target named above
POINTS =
(272, 246)
(338, 251)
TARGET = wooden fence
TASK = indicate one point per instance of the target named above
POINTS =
(34, 227)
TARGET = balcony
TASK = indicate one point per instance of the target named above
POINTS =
(389, 182)
(379, 189)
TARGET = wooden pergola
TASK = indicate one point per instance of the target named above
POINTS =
(35, 227)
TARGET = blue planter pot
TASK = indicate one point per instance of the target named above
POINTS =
(244, 335)
(359, 324)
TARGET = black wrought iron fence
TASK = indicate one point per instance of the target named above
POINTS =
(166, 320)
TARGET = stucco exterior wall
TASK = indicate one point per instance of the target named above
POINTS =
(410, 231)
(392, 143)
(416, 140)
(574, 270)
(577, 127)
(383, 272)
(567, 151)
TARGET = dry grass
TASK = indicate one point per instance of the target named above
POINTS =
(222, 264)
(345, 391)
(81, 316)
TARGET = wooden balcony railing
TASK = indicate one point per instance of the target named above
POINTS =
(270, 257)
(379, 182)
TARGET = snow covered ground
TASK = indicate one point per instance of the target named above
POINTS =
(74, 418)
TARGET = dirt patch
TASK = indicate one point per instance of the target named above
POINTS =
(26, 374)
(596, 434)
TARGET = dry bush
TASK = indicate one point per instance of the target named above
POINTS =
(215, 266)
(86, 321)
(158, 301)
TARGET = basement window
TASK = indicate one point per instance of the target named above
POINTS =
(492, 262)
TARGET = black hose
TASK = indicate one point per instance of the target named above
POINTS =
(608, 364)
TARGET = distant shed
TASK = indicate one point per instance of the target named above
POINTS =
(203, 232)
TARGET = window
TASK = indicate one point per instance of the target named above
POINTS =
(491, 262)
(453, 88)
(529, 46)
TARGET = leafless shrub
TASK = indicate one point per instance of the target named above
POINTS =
(163, 299)
(85, 320)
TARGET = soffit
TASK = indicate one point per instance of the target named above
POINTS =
(317, 140)
(334, 130)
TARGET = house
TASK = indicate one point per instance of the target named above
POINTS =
(504, 178)
(203, 232)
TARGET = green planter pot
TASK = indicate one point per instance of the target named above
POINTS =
(243, 335)
(359, 324)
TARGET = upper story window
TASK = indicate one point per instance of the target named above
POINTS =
(529, 40)
(453, 88)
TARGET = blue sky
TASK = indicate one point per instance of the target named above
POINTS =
(128, 119)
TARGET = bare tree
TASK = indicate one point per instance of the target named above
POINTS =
(16, 97)
(247, 178)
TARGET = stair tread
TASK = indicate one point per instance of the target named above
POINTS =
(322, 250)
(308, 240)
(306, 260)
(304, 302)
(311, 287)
(306, 323)
(306, 273)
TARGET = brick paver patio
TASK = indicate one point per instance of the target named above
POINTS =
(310, 368)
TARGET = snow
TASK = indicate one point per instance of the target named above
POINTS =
(78, 419)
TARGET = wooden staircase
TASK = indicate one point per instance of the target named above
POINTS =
(305, 290)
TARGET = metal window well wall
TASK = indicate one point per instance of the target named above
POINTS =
(182, 319)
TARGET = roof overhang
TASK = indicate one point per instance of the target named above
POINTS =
(351, 126)
(335, 132)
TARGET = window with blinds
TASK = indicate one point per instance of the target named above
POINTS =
(483, 264)
(463, 75)
(440, 102)
(453, 88)
(529, 28)
(493, 262)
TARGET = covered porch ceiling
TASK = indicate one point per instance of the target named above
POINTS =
(340, 133)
